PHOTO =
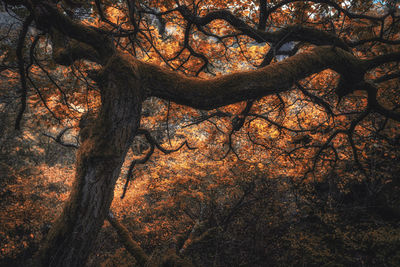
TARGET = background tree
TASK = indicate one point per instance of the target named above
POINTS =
(319, 81)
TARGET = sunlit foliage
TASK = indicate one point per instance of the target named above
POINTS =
(306, 176)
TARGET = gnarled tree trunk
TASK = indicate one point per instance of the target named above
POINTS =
(99, 160)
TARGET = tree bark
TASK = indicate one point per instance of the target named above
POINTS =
(99, 160)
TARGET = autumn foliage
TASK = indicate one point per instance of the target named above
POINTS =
(292, 159)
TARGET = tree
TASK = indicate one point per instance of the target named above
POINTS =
(348, 46)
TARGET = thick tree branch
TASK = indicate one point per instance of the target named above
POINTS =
(49, 16)
(279, 77)
(66, 54)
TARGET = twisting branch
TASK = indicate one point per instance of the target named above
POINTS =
(121, 32)
(58, 138)
(281, 126)
(298, 33)
(315, 99)
(375, 39)
(238, 120)
(381, 59)
(153, 141)
(133, 163)
(271, 79)
(42, 98)
(349, 132)
(203, 118)
(192, 51)
(153, 144)
(32, 59)
(47, 15)
(336, 6)
(376, 106)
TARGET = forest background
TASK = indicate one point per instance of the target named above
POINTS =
(296, 169)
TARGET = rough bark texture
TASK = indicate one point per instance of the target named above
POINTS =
(99, 160)
(245, 85)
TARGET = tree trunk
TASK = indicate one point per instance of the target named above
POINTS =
(99, 160)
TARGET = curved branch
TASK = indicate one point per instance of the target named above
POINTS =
(193, 52)
(331, 4)
(59, 136)
(376, 106)
(153, 144)
(48, 16)
(386, 112)
(375, 39)
(388, 77)
(278, 125)
(382, 59)
(129, 175)
(205, 117)
(67, 54)
(295, 32)
(316, 99)
(279, 77)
